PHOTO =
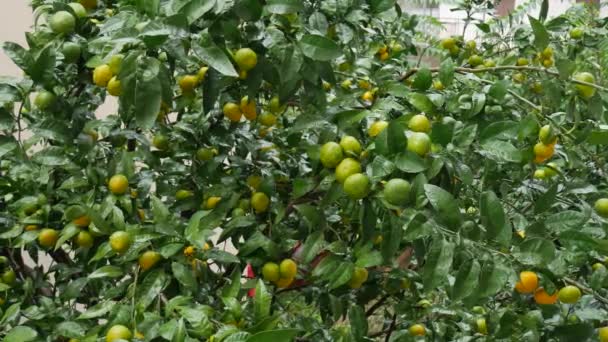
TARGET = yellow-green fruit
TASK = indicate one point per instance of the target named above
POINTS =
(547, 52)
(114, 87)
(78, 9)
(267, 119)
(62, 22)
(585, 91)
(161, 142)
(120, 241)
(212, 202)
(577, 33)
(102, 75)
(346, 84)
(288, 269)
(546, 135)
(397, 191)
(519, 77)
(475, 60)
(347, 167)
(471, 45)
(359, 277)
(601, 207)
(368, 96)
(597, 266)
(271, 272)
(521, 61)
(417, 330)
(569, 294)
(419, 123)
(182, 194)
(551, 170)
(275, 105)
(376, 128)
(44, 100)
(350, 144)
(115, 63)
(89, 4)
(539, 174)
(48, 237)
(482, 326)
(148, 260)
(603, 334)
(118, 184)
(448, 43)
(419, 143)
(205, 154)
(246, 59)
(357, 186)
(188, 83)
(438, 85)
(202, 72)
(232, 111)
(260, 202)
(331, 154)
(117, 333)
(489, 63)
(9, 277)
(84, 239)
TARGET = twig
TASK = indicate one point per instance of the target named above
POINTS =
(376, 305)
(391, 328)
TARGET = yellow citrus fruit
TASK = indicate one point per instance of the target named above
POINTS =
(417, 330)
(118, 184)
(288, 269)
(482, 326)
(187, 83)
(569, 294)
(202, 72)
(118, 332)
(182, 194)
(539, 174)
(585, 91)
(350, 144)
(384, 56)
(114, 87)
(543, 298)
(601, 207)
(82, 221)
(368, 96)
(357, 186)
(102, 75)
(283, 283)
(397, 191)
(347, 167)
(419, 143)
(419, 123)
(438, 85)
(232, 112)
(270, 272)
(346, 84)
(376, 128)
(246, 59)
(331, 154)
(359, 277)
(84, 239)
(603, 334)
(268, 119)
(248, 109)
(543, 151)
(148, 259)
(326, 86)
(212, 202)
(260, 202)
(189, 251)
(48, 237)
(528, 282)
(120, 241)
(546, 135)
(448, 43)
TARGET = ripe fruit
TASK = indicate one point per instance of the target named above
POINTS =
(71, 52)
(331, 154)
(547, 135)
(212, 202)
(44, 100)
(161, 142)
(205, 154)
(248, 108)
(102, 75)
(359, 277)
(202, 72)
(585, 91)
(543, 151)
(187, 83)
(475, 60)
(376, 128)
(357, 186)
(384, 56)
(368, 96)
(346, 84)
(603, 334)
(78, 9)
(417, 330)
(528, 282)
(350, 144)
(84, 239)
(189, 251)
(419, 123)
(601, 207)
(114, 87)
(347, 167)
(82, 221)
(115, 63)
(521, 61)
(577, 33)
(482, 326)
(9, 277)
(118, 184)
(419, 143)
(268, 119)
(232, 112)
(148, 260)
(62, 22)
(288, 269)
(438, 85)
(120, 241)
(48, 237)
(283, 283)
(182, 194)
(118, 332)
(569, 294)
(246, 59)
(260, 202)
(397, 191)
(543, 298)
(270, 272)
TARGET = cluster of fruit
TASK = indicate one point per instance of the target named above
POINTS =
(106, 75)
(282, 275)
(545, 57)
(188, 83)
(528, 284)
(545, 148)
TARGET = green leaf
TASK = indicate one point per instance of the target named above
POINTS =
(541, 36)
(500, 151)
(149, 7)
(147, 92)
(150, 288)
(574, 332)
(261, 302)
(446, 72)
(212, 55)
(184, 275)
(392, 231)
(565, 220)
(494, 218)
(284, 6)
(423, 80)
(107, 271)
(492, 279)
(466, 279)
(358, 322)
(379, 6)
(98, 310)
(319, 48)
(421, 102)
(565, 67)
(312, 215)
(194, 9)
(313, 245)
(546, 200)
(232, 289)
(283, 335)
(20, 334)
(498, 90)
(437, 263)
(340, 275)
(536, 251)
(18, 55)
(445, 205)
(410, 162)
(302, 186)
(71, 329)
(369, 259)
(42, 69)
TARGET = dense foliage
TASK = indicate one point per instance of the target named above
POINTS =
(377, 183)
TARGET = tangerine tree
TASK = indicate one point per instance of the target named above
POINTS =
(289, 170)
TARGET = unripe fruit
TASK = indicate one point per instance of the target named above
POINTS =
(44, 100)
(212, 202)
(202, 72)
(102, 75)
(120, 241)
(475, 60)
(232, 112)
(48, 237)
(187, 83)
(419, 143)
(71, 52)
(205, 154)
(288, 269)
(438, 85)
(521, 61)
(347, 167)
(161, 142)
(118, 332)
(9, 277)
(350, 144)
(448, 43)
(357, 186)
(62, 22)
(182, 194)
(397, 191)
(577, 33)
(346, 84)
(546, 135)
(84, 239)
(118, 184)
(597, 266)
(246, 59)
(267, 119)
(359, 277)
(89, 4)
(260, 202)
(539, 174)
(148, 260)
(569, 294)
(601, 207)
(417, 330)
(275, 105)
(331, 154)
(271, 272)
(78, 9)
(528, 282)
(419, 123)
(115, 63)
(482, 326)
(376, 128)
(543, 151)
(585, 91)
(603, 334)
(114, 87)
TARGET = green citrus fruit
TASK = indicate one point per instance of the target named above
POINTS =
(246, 59)
(475, 60)
(102, 75)
(120, 241)
(357, 186)
(78, 9)
(597, 266)
(489, 63)
(84, 239)
(397, 191)
(9, 277)
(260, 202)
(118, 332)
(547, 135)
(115, 63)
(577, 33)
(359, 277)
(183, 194)
(267, 119)
(161, 142)
(417, 330)
(448, 43)
(376, 128)
(601, 207)
(71, 52)
(585, 91)
(114, 87)
(331, 154)
(539, 174)
(347, 167)
(288, 269)
(346, 84)
(270, 272)
(419, 123)
(44, 100)
(48, 237)
(62, 22)
(350, 145)
(118, 184)
(482, 326)
(275, 105)
(521, 61)
(148, 259)
(419, 143)
(569, 294)
(551, 170)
